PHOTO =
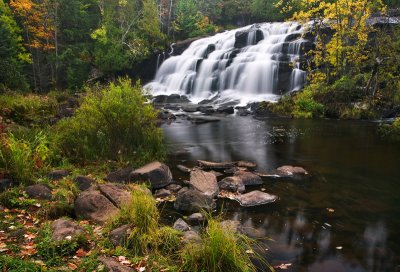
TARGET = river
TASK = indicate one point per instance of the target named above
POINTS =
(344, 217)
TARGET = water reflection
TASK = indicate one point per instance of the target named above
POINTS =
(344, 218)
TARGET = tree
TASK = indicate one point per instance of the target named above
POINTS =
(13, 56)
(265, 10)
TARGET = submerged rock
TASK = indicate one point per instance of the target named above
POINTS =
(39, 191)
(248, 178)
(204, 182)
(158, 174)
(215, 165)
(288, 170)
(65, 229)
(255, 198)
(203, 119)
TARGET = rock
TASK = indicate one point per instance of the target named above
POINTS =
(196, 218)
(242, 111)
(83, 183)
(173, 188)
(241, 37)
(6, 184)
(215, 165)
(288, 170)
(231, 170)
(262, 109)
(18, 234)
(65, 229)
(166, 115)
(39, 191)
(114, 266)
(158, 174)
(208, 110)
(162, 193)
(203, 119)
(192, 201)
(116, 193)
(232, 184)
(246, 164)
(232, 226)
(217, 174)
(181, 225)
(204, 182)
(173, 98)
(191, 237)
(92, 205)
(121, 175)
(255, 198)
(226, 110)
(183, 168)
(58, 174)
(119, 236)
(248, 178)
(190, 108)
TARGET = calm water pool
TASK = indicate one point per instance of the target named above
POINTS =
(346, 217)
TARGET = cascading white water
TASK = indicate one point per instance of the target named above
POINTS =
(253, 63)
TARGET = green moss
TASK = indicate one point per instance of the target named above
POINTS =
(16, 264)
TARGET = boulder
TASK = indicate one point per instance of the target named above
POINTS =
(156, 173)
(65, 229)
(181, 225)
(255, 198)
(203, 119)
(173, 98)
(196, 218)
(173, 188)
(226, 110)
(191, 237)
(116, 193)
(190, 108)
(232, 184)
(121, 175)
(6, 184)
(93, 205)
(192, 201)
(83, 183)
(39, 191)
(113, 265)
(288, 170)
(58, 174)
(215, 165)
(119, 236)
(208, 110)
(162, 193)
(204, 182)
(248, 178)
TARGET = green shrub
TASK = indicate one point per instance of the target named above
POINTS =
(391, 131)
(114, 122)
(221, 250)
(26, 155)
(305, 106)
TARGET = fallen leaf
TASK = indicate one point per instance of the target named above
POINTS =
(72, 266)
(81, 253)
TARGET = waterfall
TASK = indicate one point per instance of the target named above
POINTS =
(253, 63)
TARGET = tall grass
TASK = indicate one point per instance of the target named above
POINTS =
(221, 250)
(26, 155)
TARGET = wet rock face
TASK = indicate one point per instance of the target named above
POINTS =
(241, 37)
(173, 98)
(248, 178)
(232, 184)
(288, 170)
(158, 174)
(204, 182)
(193, 201)
(39, 191)
(65, 229)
